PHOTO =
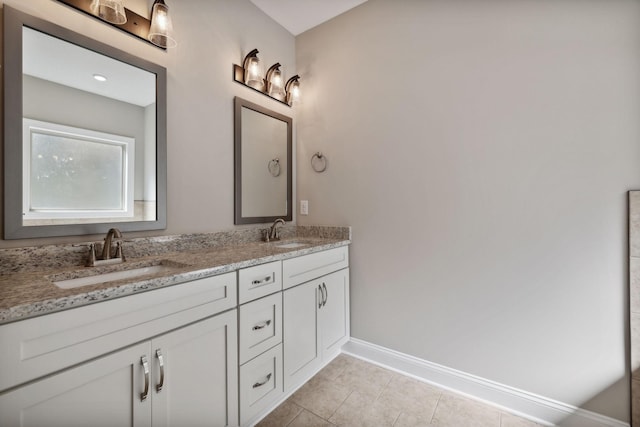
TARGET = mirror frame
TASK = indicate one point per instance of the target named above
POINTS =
(14, 21)
(239, 219)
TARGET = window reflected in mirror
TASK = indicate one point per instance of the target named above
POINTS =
(88, 162)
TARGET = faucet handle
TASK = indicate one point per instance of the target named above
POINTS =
(119, 253)
(265, 234)
(92, 255)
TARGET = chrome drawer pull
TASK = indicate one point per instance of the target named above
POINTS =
(145, 367)
(256, 385)
(263, 281)
(326, 294)
(261, 325)
(161, 363)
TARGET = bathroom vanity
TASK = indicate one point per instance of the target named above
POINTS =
(223, 336)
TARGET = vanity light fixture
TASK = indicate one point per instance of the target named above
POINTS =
(111, 11)
(161, 30)
(252, 70)
(250, 75)
(157, 31)
(292, 89)
(275, 86)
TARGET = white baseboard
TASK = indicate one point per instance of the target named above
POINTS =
(518, 402)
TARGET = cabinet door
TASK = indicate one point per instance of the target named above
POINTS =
(198, 374)
(334, 313)
(302, 354)
(104, 392)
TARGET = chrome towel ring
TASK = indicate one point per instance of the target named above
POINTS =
(274, 167)
(319, 162)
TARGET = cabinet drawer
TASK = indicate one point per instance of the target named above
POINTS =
(307, 267)
(260, 383)
(260, 326)
(42, 345)
(259, 281)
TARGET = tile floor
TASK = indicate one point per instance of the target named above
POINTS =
(351, 392)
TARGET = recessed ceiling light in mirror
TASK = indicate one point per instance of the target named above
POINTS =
(100, 77)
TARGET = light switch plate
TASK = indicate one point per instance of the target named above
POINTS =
(304, 207)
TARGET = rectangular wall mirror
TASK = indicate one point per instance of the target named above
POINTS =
(85, 134)
(263, 176)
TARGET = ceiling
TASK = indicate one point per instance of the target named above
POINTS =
(56, 60)
(297, 16)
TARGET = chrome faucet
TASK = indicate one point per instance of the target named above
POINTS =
(273, 231)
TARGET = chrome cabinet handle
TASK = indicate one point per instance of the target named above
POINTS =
(326, 294)
(321, 296)
(263, 281)
(145, 367)
(260, 384)
(161, 363)
(261, 325)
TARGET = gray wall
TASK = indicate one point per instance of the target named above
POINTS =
(212, 36)
(482, 151)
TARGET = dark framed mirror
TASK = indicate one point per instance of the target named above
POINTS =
(263, 164)
(85, 137)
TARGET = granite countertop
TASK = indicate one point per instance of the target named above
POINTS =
(26, 293)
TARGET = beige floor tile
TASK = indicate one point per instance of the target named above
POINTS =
(307, 419)
(334, 369)
(508, 420)
(411, 396)
(456, 411)
(410, 420)
(320, 396)
(353, 393)
(361, 410)
(364, 377)
(281, 416)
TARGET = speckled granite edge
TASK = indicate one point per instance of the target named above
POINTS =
(43, 258)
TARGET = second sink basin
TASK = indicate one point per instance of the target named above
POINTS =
(82, 279)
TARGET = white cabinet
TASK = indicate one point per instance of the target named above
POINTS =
(302, 352)
(260, 384)
(260, 326)
(260, 332)
(103, 364)
(304, 268)
(104, 392)
(200, 374)
(334, 313)
(258, 281)
(315, 318)
(217, 351)
(43, 345)
(185, 377)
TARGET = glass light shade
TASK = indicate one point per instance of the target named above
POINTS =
(276, 85)
(253, 73)
(161, 30)
(109, 10)
(293, 94)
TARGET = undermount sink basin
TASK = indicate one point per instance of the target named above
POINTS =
(291, 245)
(112, 276)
